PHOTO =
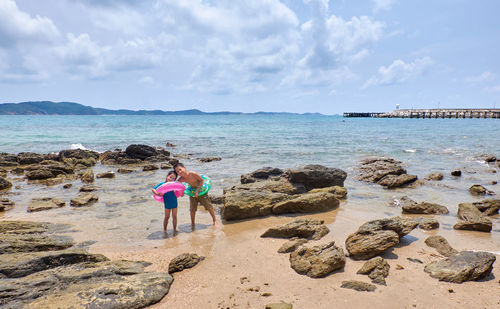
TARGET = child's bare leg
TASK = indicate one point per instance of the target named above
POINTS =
(212, 213)
(193, 215)
(174, 219)
(165, 220)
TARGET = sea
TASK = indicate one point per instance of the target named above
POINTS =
(245, 143)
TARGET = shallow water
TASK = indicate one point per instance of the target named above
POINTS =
(126, 217)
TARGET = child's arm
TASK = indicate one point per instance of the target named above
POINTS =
(156, 193)
(199, 181)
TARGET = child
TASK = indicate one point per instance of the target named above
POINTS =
(195, 181)
(170, 202)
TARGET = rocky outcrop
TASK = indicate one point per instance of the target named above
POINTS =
(45, 203)
(337, 191)
(250, 204)
(358, 286)
(4, 184)
(479, 190)
(440, 244)
(142, 152)
(488, 207)
(377, 269)
(316, 176)
(108, 174)
(84, 199)
(307, 203)
(261, 174)
(292, 245)
(462, 266)
(78, 154)
(302, 228)
(6, 204)
(472, 219)
(385, 171)
(87, 177)
(184, 261)
(29, 158)
(210, 159)
(39, 270)
(318, 261)
(374, 237)
(428, 224)
(41, 173)
(412, 207)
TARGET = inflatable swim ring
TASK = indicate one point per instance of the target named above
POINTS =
(207, 184)
(164, 187)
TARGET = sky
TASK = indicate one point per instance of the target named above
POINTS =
(254, 55)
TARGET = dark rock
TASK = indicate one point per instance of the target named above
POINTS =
(337, 191)
(216, 199)
(307, 203)
(67, 185)
(292, 245)
(486, 157)
(275, 186)
(78, 154)
(45, 203)
(488, 207)
(318, 261)
(169, 144)
(210, 159)
(261, 174)
(384, 171)
(436, 176)
(150, 167)
(456, 173)
(84, 199)
(440, 244)
(479, 190)
(29, 158)
(127, 161)
(377, 269)
(279, 306)
(428, 224)
(166, 166)
(89, 188)
(358, 286)
(8, 157)
(38, 174)
(472, 219)
(17, 171)
(302, 228)
(5, 204)
(424, 208)
(184, 261)
(374, 237)
(461, 267)
(413, 260)
(316, 176)
(108, 174)
(87, 177)
(5, 184)
(140, 151)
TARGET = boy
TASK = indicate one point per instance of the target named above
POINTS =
(195, 181)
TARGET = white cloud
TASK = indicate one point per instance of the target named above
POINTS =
(382, 5)
(18, 27)
(481, 78)
(399, 72)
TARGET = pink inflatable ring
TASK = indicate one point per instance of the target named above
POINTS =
(165, 187)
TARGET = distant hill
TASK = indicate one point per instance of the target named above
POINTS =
(71, 108)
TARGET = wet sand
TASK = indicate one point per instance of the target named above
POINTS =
(127, 224)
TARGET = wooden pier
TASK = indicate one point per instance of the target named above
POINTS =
(434, 113)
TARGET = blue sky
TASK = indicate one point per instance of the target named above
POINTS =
(256, 55)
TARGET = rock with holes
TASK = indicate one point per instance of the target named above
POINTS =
(318, 261)
(462, 266)
(302, 228)
(184, 261)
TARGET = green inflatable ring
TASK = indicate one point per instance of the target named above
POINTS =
(205, 187)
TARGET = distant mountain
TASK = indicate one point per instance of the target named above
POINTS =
(71, 108)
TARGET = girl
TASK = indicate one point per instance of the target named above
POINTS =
(170, 202)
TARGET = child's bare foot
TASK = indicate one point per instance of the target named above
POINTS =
(175, 232)
(215, 223)
(193, 227)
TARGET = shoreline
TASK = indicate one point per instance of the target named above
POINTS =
(127, 225)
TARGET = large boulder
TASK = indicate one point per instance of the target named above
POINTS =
(275, 186)
(38, 174)
(302, 228)
(488, 207)
(384, 171)
(184, 261)
(32, 242)
(250, 204)
(318, 261)
(4, 184)
(440, 244)
(78, 154)
(462, 266)
(316, 176)
(374, 237)
(472, 219)
(307, 203)
(45, 203)
(261, 174)
(29, 158)
(137, 151)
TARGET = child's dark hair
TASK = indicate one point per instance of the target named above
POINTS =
(178, 164)
(172, 172)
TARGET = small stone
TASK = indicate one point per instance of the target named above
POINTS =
(415, 260)
(399, 267)
(292, 245)
(210, 159)
(428, 224)
(67, 185)
(440, 244)
(456, 173)
(125, 170)
(266, 294)
(108, 174)
(88, 188)
(279, 306)
(88, 176)
(451, 291)
(184, 261)
(479, 190)
(435, 176)
(84, 199)
(358, 286)
(377, 269)
(244, 279)
(166, 166)
(149, 167)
